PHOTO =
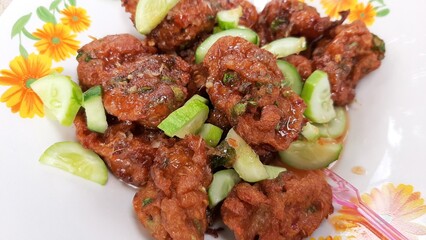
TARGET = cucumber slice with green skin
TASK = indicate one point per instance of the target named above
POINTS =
(336, 127)
(75, 159)
(60, 95)
(317, 95)
(292, 76)
(229, 19)
(274, 171)
(185, 120)
(310, 132)
(199, 98)
(95, 111)
(286, 46)
(311, 155)
(247, 163)
(211, 134)
(221, 186)
(204, 47)
(150, 13)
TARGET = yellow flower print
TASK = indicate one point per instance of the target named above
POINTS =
(365, 13)
(76, 18)
(333, 7)
(23, 71)
(56, 41)
(400, 205)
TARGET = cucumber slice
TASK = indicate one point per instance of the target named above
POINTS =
(247, 163)
(95, 111)
(60, 95)
(274, 171)
(311, 155)
(199, 98)
(74, 158)
(204, 47)
(185, 120)
(286, 46)
(292, 76)
(317, 95)
(336, 127)
(150, 13)
(228, 19)
(211, 134)
(221, 186)
(310, 132)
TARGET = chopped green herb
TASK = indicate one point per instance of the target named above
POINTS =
(88, 58)
(277, 23)
(167, 79)
(239, 109)
(147, 201)
(229, 77)
(179, 94)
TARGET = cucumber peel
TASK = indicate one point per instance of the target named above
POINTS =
(75, 159)
(292, 77)
(311, 155)
(247, 163)
(286, 46)
(95, 111)
(211, 134)
(317, 95)
(204, 47)
(228, 19)
(185, 120)
(150, 13)
(221, 186)
(62, 97)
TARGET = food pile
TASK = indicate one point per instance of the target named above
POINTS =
(221, 111)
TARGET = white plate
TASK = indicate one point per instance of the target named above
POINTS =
(387, 138)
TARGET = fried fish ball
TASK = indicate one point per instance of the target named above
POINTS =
(347, 55)
(173, 204)
(127, 148)
(292, 206)
(105, 58)
(151, 92)
(284, 18)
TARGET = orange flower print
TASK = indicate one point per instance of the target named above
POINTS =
(333, 7)
(23, 71)
(76, 18)
(399, 205)
(365, 13)
(56, 41)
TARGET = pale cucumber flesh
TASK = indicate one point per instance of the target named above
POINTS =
(221, 186)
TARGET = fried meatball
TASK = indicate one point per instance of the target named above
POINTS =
(283, 18)
(244, 84)
(302, 64)
(347, 55)
(127, 149)
(288, 207)
(104, 58)
(150, 92)
(173, 204)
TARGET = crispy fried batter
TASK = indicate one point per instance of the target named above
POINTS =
(173, 204)
(289, 207)
(109, 56)
(151, 92)
(126, 148)
(347, 55)
(283, 18)
(244, 84)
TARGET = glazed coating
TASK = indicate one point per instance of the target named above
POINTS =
(149, 93)
(244, 84)
(173, 204)
(105, 58)
(347, 55)
(289, 207)
(186, 23)
(126, 148)
(283, 18)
